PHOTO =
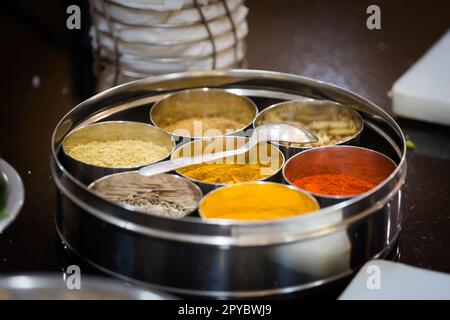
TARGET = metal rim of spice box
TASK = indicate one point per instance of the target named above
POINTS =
(237, 259)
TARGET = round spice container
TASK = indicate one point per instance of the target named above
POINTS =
(198, 113)
(263, 162)
(256, 201)
(336, 173)
(114, 146)
(162, 195)
(332, 123)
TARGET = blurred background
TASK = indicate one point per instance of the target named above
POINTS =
(48, 69)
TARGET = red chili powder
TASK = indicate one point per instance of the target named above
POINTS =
(339, 184)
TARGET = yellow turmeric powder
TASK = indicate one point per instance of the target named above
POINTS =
(227, 173)
(263, 201)
(260, 162)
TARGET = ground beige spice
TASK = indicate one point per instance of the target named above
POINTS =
(209, 126)
(125, 153)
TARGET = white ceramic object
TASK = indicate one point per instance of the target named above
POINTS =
(386, 280)
(133, 16)
(196, 49)
(140, 38)
(158, 5)
(423, 92)
(181, 35)
(147, 66)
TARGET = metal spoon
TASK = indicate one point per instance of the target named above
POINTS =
(279, 132)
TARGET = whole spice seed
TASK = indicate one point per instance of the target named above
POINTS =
(125, 153)
(331, 126)
(162, 195)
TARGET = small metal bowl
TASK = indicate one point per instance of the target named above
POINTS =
(202, 103)
(12, 194)
(46, 286)
(305, 194)
(127, 182)
(273, 154)
(314, 116)
(357, 161)
(111, 130)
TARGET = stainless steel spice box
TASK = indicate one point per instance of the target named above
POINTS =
(229, 259)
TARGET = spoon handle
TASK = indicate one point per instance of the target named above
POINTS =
(170, 165)
(160, 167)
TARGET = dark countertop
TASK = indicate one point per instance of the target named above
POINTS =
(326, 40)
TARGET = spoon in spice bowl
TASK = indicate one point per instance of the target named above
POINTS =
(280, 132)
